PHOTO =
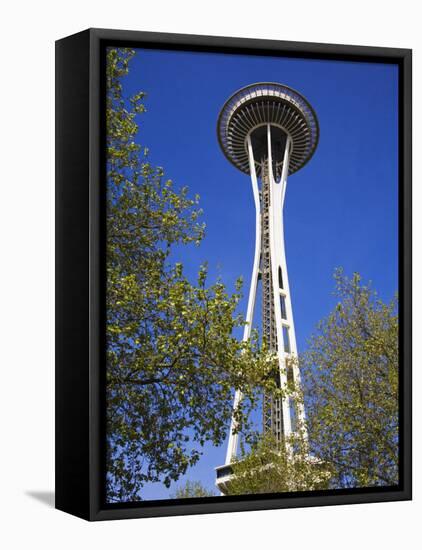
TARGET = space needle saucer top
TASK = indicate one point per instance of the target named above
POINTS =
(261, 104)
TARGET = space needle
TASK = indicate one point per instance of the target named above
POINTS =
(269, 131)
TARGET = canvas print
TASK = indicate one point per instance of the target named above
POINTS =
(251, 275)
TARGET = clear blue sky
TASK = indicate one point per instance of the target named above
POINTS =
(340, 209)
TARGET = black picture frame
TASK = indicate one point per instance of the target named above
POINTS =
(80, 267)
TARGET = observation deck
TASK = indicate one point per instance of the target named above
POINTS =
(261, 104)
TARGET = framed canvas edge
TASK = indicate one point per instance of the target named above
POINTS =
(403, 57)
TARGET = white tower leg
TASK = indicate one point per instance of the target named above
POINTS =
(278, 261)
(234, 437)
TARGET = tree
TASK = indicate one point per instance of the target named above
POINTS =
(192, 489)
(270, 468)
(350, 373)
(172, 359)
(350, 389)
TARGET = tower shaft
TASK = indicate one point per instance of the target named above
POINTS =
(279, 415)
(272, 414)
